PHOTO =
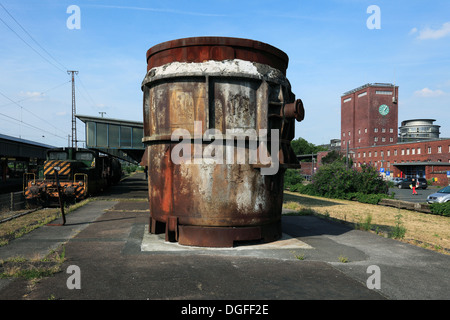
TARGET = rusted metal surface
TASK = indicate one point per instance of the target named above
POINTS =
(198, 85)
(200, 49)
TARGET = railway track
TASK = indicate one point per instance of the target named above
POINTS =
(10, 215)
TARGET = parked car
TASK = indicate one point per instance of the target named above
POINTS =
(396, 181)
(441, 196)
(405, 183)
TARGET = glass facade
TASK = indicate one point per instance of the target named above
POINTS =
(106, 135)
(421, 129)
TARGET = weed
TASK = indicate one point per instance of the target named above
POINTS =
(299, 256)
(398, 231)
(19, 267)
(366, 225)
(343, 259)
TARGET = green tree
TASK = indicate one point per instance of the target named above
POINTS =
(301, 146)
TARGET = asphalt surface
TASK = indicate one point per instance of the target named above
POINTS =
(406, 194)
(107, 241)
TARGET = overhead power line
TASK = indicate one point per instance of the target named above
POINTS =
(31, 37)
(28, 98)
(30, 46)
(29, 112)
(31, 126)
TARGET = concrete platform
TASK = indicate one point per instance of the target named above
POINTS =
(118, 260)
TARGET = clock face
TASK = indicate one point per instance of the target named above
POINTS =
(383, 109)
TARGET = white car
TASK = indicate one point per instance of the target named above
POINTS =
(396, 181)
(441, 196)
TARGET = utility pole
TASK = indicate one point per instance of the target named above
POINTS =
(74, 120)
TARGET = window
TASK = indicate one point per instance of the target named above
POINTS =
(403, 152)
(439, 149)
(359, 132)
(375, 153)
(113, 135)
(413, 151)
(362, 94)
(391, 130)
(347, 100)
(383, 130)
(55, 155)
(376, 139)
(395, 152)
(384, 92)
(125, 136)
(84, 156)
(389, 153)
(383, 139)
(391, 139)
(419, 151)
(429, 150)
(102, 135)
(407, 151)
(138, 133)
(375, 130)
(365, 130)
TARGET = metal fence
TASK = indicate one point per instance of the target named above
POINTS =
(12, 201)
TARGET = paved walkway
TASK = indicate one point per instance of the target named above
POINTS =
(316, 259)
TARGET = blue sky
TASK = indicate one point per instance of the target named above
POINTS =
(331, 50)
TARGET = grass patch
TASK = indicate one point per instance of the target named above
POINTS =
(411, 226)
(35, 268)
(20, 226)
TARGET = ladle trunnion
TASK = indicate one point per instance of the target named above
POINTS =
(219, 116)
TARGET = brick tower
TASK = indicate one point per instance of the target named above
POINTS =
(369, 116)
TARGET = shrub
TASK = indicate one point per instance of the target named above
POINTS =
(336, 181)
(292, 178)
(442, 209)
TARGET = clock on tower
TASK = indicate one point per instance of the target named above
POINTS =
(383, 109)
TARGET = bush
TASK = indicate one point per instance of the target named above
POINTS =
(442, 209)
(336, 181)
(292, 178)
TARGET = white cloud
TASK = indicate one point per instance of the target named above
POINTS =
(429, 33)
(413, 30)
(428, 93)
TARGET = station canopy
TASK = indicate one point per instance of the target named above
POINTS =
(119, 138)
